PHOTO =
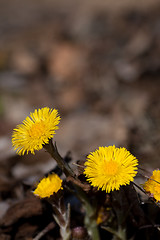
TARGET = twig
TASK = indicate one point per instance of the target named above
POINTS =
(49, 227)
(78, 165)
(150, 226)
(140, 188)
(143, 169)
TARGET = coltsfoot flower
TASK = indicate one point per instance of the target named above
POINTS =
(35, 131)
(48, 186)
(152, 186)
(108, 168)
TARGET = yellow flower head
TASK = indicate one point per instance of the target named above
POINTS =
(48, 186)
(152, 185)
(35, 131)
(108, 168)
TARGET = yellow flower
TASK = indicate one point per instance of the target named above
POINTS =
(48, 186)
(152, 185)
(108, 168)
(35, 131)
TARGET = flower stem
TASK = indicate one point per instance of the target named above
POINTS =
(53, 151)
(61, 216)
(90, 218)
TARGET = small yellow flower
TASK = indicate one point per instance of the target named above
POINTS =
(108, 168)
(35, 131)
(48, 186)
(152, 186)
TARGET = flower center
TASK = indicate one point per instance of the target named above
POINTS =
(37, 129)
(111, 168)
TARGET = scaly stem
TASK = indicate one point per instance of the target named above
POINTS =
(53, 151)
(61, 216)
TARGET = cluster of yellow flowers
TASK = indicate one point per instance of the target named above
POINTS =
(107, 168)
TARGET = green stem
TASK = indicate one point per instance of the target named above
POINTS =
(90, 217)
(53, 151)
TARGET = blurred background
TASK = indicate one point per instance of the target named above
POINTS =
(97, 62)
